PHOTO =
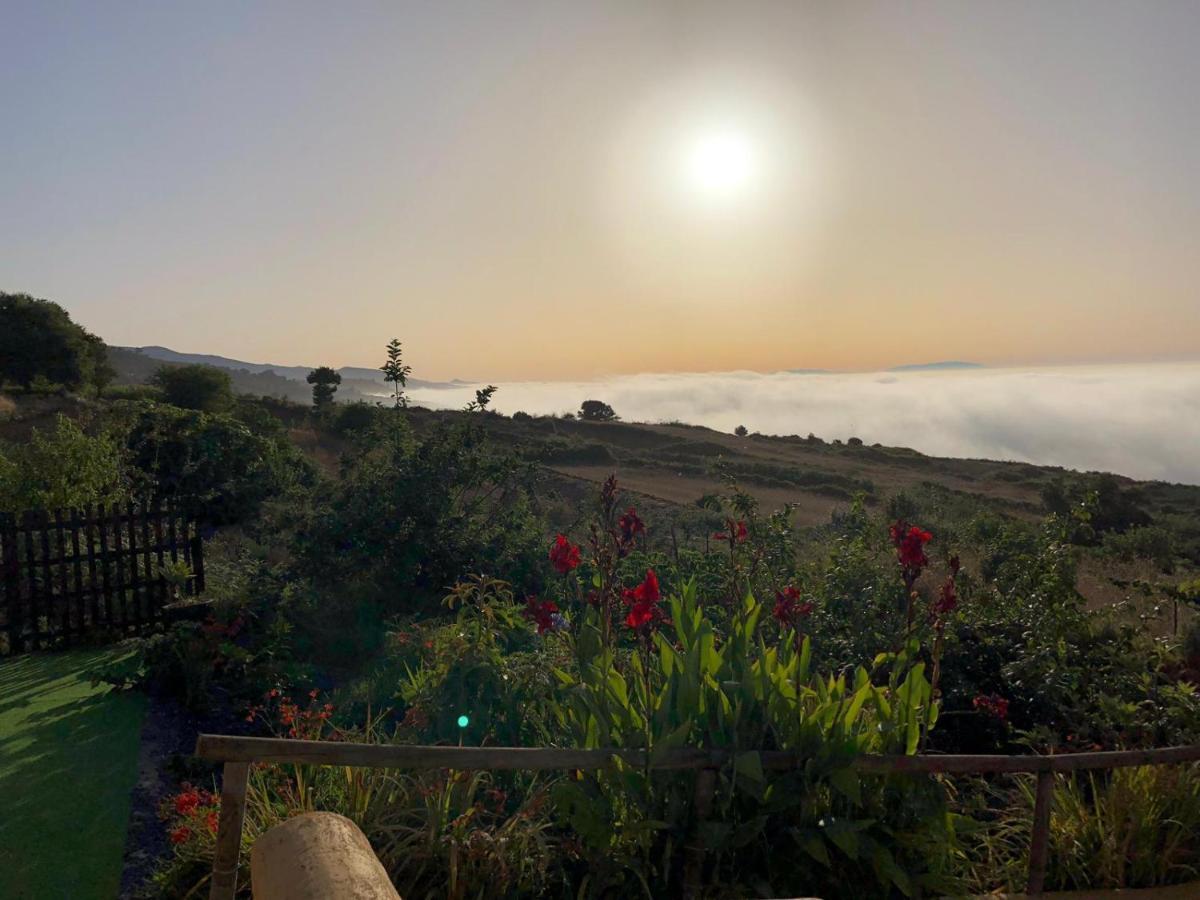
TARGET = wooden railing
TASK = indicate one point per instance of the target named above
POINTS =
(237, 753)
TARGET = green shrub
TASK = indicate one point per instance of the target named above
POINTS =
(409, 516)
(62, 468)
(203, 388)
(212, 464)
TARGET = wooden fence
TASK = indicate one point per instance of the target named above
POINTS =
(69, 573)
(237, 753)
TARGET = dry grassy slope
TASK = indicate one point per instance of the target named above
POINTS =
(644, 457)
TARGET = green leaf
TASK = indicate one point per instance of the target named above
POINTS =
(844, 836)
(813, 845)
(749, 765)
(847, 783)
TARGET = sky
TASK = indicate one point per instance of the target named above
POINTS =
(548, 190)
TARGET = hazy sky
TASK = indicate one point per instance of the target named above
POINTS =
(564, 190)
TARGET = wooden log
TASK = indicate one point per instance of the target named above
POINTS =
(1039, 843)
(317, 856)
(227, 855)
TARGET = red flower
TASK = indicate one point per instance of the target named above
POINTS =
(181, 835)
(211, 821)
(564, 555)
(735, 532)
(541, 612)
(910, 541)
(630, 526)
(948, 599)
(992, 705)
(643, 602)
(788, 608)
(187, 802)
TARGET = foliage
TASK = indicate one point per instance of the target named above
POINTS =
(596, 411)
(1149, 542)
(741, 431)
(213, 464)
(396, 372)
(1125, 828)
(483, 396)
(59, 469)
(410, 515)
(324, 381)
(199, 387)
(40, 343)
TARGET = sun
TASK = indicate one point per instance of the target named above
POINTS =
(720, 164)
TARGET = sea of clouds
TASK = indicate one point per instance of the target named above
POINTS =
(1137, 420)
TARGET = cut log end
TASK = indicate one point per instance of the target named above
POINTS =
(317, 856)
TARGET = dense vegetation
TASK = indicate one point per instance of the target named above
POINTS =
(386, 573)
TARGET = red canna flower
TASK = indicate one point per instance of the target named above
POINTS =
(643, 602)
(542, 613)
(910, 541)
(993, 705)
(788, 608)
(735, 532)
(948, 598)
(564, 555)
(629, 527)
(181, 835)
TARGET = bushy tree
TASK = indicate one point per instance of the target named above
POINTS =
(410, 515)
(202, 388)
(741, 431)
(60, 469)
(324, 381)
(212, 464)
(39, 342)
(596, 411)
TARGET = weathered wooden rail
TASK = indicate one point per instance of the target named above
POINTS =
(237, 753)
(67, 573)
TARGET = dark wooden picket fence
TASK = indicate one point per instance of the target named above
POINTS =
(75, 573)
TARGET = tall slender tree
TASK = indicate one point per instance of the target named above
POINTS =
(396, 372)
(325, 383)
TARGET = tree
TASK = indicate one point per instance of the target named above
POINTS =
(396, 372)
(596, 411)
(483, 397)
(60, 468)
(204, 388)
(740, 431)
(38, 341)
(213, 465)
(325, 383)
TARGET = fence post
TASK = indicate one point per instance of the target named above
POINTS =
(11, 581)
(197, 560)
(693, 853)
(229, 831)
(1039, 843)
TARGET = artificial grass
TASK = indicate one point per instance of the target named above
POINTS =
(68, 762)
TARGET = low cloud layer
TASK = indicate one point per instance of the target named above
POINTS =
(1138, 420)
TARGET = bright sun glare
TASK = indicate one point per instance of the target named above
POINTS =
(721, 164)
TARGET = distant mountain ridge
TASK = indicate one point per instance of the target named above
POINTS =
(292, 373)
(928, 367)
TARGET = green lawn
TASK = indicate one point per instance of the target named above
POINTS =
(68, 761)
